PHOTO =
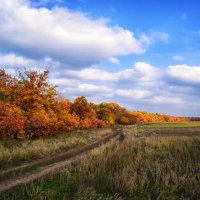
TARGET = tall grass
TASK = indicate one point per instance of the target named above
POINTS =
(16, 152)
(153, 168)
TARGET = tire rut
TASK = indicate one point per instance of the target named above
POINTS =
(53, 167)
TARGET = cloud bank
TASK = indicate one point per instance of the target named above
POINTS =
(73, 46)
(173, 90)
(72, 38)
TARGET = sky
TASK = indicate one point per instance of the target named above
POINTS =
(143, 55)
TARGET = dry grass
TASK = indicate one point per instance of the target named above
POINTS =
(151, 168)
(18, 152)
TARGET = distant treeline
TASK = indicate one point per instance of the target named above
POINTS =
(194, 118)
(31, 107)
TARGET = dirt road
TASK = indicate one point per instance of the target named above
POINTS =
(51, 165)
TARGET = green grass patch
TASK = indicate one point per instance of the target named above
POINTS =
(172, 125)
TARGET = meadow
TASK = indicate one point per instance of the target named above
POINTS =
(15, 152)
(172, 125)
(143, 166)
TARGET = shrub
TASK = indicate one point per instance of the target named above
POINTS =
(42, 124)
(12, 122)
(69, 122)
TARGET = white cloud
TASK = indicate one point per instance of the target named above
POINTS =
(133, 93)
(145, 68)
(141, 72)
(93, 74)
(143, 86)
(166, 100)
(189, 74)
(147, 73)
(63, 82)
(63, 35)
(13, 60)
(85, 89)
(178, 58)
(61, 38)
(114, 61)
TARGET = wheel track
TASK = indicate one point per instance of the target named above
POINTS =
(75, 157)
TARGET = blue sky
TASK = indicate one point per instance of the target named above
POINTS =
(143, 55)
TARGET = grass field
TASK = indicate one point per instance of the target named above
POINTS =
(18, 152)
(172, 125)
(149, 167)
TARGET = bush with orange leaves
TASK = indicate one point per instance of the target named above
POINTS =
(12, 122)
(87, 123)
(42, 124)
(99, 123)
(68, 122)
(124, 120)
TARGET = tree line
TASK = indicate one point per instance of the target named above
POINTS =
(31, 107)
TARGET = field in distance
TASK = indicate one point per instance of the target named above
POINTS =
(172, 125)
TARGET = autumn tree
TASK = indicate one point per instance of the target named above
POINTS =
(86, 113)
(68, 120)
(12, 122)
(30, 107)
(110, 112)
(34, 92)
(7, 86)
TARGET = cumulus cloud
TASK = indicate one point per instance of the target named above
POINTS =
(72, 44)
(97, 74)
(147, 72)
(140, 72)
(93, 74)
(70, 37)
(184, 73)
(12, 60)
(133, 93)
(64, 83)
(114, 61)
(166, 100)
(143, 86)
(86, 90)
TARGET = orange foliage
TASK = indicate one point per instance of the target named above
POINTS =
(87, 123)
(12, 122)
(69, 122)
(127, 118)
(124, 120)
(34, 93)
(30, 107)
(155, 117)
(42, 124)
